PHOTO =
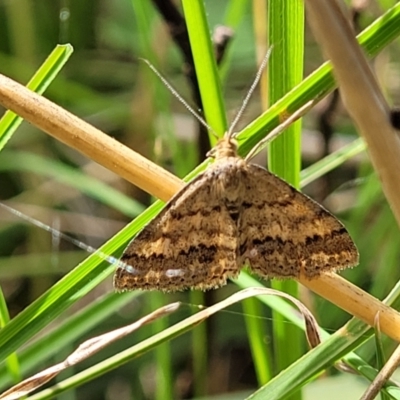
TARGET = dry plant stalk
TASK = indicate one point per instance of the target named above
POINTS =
(85, 350)
(85, 138)
(360, 91)
(385, 373)
(92, 346)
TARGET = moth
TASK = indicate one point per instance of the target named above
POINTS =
(234, 214)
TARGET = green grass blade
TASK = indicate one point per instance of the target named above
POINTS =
(321, 82)
(285, 70)
(163, 358)
(331, 161)
(234, 13)
(12, 365)
(261, 354)
(206, 68)
(380, 354)
(39, 83)
(199, 350)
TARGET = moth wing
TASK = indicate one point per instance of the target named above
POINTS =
(191, 244)
(284, 233)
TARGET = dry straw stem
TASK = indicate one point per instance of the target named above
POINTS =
(360, 92)
(384, 374)
(89, 348)
(85, 138)
(90, 141)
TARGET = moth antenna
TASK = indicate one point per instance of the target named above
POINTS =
(59, 235)
(179, 97)
(250, 92)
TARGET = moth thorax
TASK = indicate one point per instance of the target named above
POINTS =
(230, 185)
(226, 147)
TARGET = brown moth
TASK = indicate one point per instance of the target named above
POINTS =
(234, 214)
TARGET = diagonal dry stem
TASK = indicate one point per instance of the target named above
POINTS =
(86, 139)
(360, 92)
(384, 374)
(88, 349)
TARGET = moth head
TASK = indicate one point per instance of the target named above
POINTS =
(226, 147)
